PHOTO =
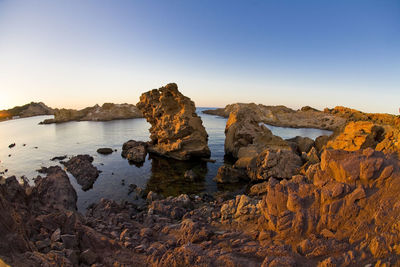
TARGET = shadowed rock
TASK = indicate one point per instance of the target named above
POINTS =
(105, 151)
(176, 130)
(134, 151)
(82, 169)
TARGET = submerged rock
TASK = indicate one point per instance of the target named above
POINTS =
(176, 130)
(82, 169)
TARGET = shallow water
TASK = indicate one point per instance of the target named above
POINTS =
(164, 176)
(286, 132)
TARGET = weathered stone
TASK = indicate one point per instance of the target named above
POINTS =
(88, 257)
(56, 190)
(228, 174)
(82, 169)
(176, 130)
(303, 144)
(134, 151)
(275, 163)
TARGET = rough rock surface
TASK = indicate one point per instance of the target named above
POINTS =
(285, 117)
(281, 164)
(176, 130)
(134, 151)
(243, 130)
(55, 190)
(106, 112)
(355, 115)
(227, 174)
(343, 212)
(82, 169)
(362, 134)
(357, 135)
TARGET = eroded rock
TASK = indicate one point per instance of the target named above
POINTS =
(82, 169)
(176, 130)
(134, 151)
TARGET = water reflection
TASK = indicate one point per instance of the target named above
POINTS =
(168, 176)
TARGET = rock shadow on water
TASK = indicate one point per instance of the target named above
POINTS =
(168, 176)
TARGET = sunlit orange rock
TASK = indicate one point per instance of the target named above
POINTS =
(176, 130)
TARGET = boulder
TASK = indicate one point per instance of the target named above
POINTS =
(176, 130)
(302, 144)
(105, 151)
(55, 190)
(134, 151)
(82, 169)
(228, 174)
(279, 163)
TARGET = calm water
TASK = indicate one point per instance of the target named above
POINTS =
(44, 142)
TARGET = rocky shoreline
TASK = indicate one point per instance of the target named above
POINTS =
(25, 111)
(282, 116)
(106, 112)
(332, 201)
(322, 218)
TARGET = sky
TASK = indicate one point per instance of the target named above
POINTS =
(76, 53)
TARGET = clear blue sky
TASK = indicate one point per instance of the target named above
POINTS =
(319, 53)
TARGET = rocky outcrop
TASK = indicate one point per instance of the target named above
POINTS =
(343, 212)
(55, 191)
(227, 174)
(281, 164)
(106, 112)
(363, 134)
(134, 151)
(82, 169)
(259, 153)
(355, 115)
(243, 132)
(282, 116)
(176, 130)
(28, 110)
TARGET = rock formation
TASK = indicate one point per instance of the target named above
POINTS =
(362, 134)
(106, 112)
(28, 110)
(176, 130)
(134, 151)
(285, 117)
(343, 212)
(243, 130)
(82, 169)
(355, 115)
(259, 153)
